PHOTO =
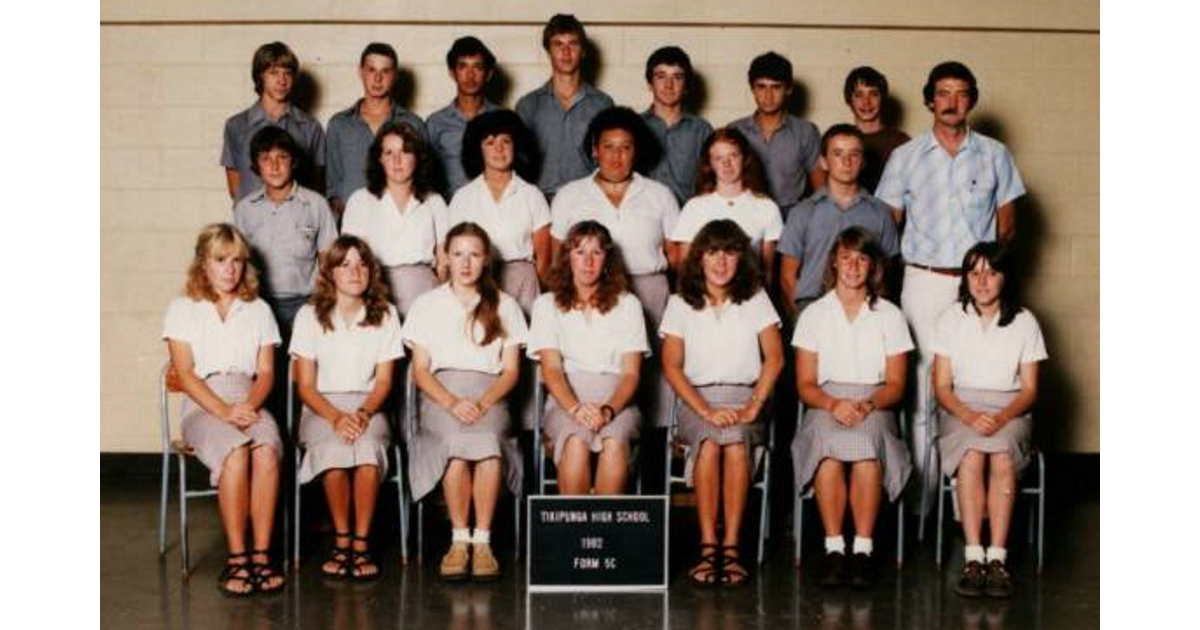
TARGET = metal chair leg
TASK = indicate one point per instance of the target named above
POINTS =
(162, 502)
(402, 504)
(296, 517)
(899, 533)
(798, 524)
(183, 523)
(1041, 525)
(941, 490)
(420, 533)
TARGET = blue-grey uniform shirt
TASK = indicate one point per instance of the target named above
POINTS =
(560, 132)
(286, 237)
(241, 127)
(347, 146)
(813, 226)
(787, 158)
(681, 146)
(446, 128)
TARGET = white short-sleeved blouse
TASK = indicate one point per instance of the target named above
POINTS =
(639, 226)
(758, 217)
(222, 347)
(852, 351)
(987, 357)
(510, 222)
(347, 355)
(408, 237)
(437, 322)
(721, 345)
(591, 342)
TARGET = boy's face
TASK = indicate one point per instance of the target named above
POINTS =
(770, 94)
(470, 75)
(866, 103)
(378, 75)
(275, 168)
(843, 159)
(277, 82)
(566, 52)
(668, 84)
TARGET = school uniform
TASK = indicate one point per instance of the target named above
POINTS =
(346, 358)
(722, 360)
(437, 323)
(851, 363)
(985, 361)
(225, 355)
(592, 345)
(758, 217)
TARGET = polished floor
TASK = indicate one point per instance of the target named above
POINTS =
(141, 590)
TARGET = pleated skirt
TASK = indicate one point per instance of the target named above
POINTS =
(324, 449)
(693, 429)
(955, 437)
(597, 389)
(212, 438)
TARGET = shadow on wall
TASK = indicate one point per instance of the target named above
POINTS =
(499, 89)
(592, 66)
(797, 104)
(405, 88)
(697, 96)
(306, 92)
(893, 113)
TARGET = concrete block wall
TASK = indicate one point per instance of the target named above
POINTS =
(172, 72)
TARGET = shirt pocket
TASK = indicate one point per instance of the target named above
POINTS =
(303, 243)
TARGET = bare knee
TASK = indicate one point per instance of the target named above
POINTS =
(736, 453)
(237, 462)
(971, 464)
(367, 472)
(265, 460)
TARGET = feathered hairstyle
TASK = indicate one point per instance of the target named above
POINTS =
(324, 297)
(856, 239)
(614, 279)
(722, 235)
(217, 240)
(998, 258)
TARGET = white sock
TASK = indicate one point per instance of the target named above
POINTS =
(460, 535)
(835, 544)
(863, 545)
(482, 537)
(997, 553)
(974, 553)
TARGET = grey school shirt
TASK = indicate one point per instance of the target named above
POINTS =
(560, 132)
(787, 158)
(346, 147)
(241, 127)
(681, 145)
(286, 237)
(814, 224)
(446, 128)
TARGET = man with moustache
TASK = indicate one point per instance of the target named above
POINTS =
(949, 188)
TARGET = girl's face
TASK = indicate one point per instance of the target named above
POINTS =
(351, 277)
(398, 166)
(498, 152)
(614, 155)
(853, 268)
(467, 260)
(725, 158)
(587, 262)
(719, 267)
(985, 284)
(224, 268)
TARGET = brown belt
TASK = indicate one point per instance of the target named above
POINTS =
(953, 272)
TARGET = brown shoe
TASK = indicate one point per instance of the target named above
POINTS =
(454, 563)
(998, 583)
(972, 580)
(484, 566)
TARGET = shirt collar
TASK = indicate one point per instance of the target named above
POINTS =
(585, 90)
(823, 194)
(651, 117)
(396, 112)
(458, 113)
(261, 194)
(340, 324)
(258, 114)
(930, 142)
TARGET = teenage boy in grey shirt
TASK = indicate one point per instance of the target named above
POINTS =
(680, 134)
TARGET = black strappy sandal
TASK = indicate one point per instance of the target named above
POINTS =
(707, 572)
(733, 572)
(359, 559)
(340, 556)
(263, 573)
(242, 572)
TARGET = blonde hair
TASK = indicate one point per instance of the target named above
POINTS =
(218, 239)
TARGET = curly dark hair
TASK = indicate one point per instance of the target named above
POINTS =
(614, 279)
(857, 239)
(495, 123)
(722, 235)
(754, 177)
(324, 297)
(422, 183)
(487, 312)
(646, 150)
(998, 257)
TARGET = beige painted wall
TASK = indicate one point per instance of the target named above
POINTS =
(172, 72)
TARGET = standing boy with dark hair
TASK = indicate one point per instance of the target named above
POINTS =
(680, 134)
(470, 64)
(787, 146)
(559, 111)
(866, 93)
(273, 71)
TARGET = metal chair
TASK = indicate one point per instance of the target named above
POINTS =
(293, 430)
(802, 495)
(761, 455)
(411, 427)
(543, 455)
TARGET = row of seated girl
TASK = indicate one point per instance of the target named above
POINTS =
(721, 354)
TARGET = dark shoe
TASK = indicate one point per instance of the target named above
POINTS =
(862, 571)
(266, 579)
(733, 572)
(362, 567)
(236, 579)
(707, 572)
(833, 569)
(998, 583)
(337, 565)
(971, 583)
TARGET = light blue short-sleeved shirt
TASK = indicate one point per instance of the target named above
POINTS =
(446, 128)
(240, 129)
(681, 145)
(788, 157)
(814, 225)
(286, 237)
(560, 132)
(949, 202)
(347, 144)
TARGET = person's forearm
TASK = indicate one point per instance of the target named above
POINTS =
(500, 389)
(624, 393)
(203, 395)
(263, 382)
(556, 382)
(320, 405)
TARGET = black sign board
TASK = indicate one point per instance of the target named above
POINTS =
(590, 543)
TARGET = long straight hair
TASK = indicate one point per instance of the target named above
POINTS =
(998, 258)
(487, 311)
